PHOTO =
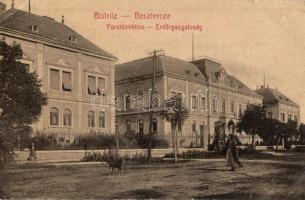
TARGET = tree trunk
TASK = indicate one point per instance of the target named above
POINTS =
(174, 141)
(252, 141)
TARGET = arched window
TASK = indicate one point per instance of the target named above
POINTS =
(67, 117)
(194, 102)
(127, 101)
(223, 105)
(232, 106)
(91, 119)
(154, 125)
(141, 126)
(202, 102)
(214, 106)
(155, 101)
(54, 117)
(194, 128)
(101, 120)
(128, 125)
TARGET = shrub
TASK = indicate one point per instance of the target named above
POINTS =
(95, 141)
(143, 141)
(298, 148)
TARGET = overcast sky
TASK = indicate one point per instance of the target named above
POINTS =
(247, 36)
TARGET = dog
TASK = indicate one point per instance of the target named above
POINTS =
(115, 163)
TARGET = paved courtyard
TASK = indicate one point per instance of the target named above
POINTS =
(205, 179)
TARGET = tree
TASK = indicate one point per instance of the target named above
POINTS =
(21, 99)
(175, 112)
(301, 133)
(251, 121)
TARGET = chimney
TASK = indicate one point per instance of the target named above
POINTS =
(63, 19)
(2, 8)
(13, 4)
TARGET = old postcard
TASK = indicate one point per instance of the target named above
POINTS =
(164, 99)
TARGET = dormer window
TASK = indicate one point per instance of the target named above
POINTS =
(34, 28)
(196, 74)
(73, 40)
(187, 71)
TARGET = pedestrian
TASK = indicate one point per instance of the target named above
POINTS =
(232, 159)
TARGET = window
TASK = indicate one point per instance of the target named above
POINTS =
(91, 119)
(101, 120)
(66, 81)
(296, 118)
(127, 101)
(269, 115)
(54, 79)
(155, 101)
(141, 126)
(54, 116)
(91, 85)
(283, 117)
(67, 117)
(214, 106)
(194, 102)
(289, 117)
(202, 103)
(101, 86)
(232, 106)
(194, 126)
(154, 125)
(223, 105)
(34, 28)
(73, 39)
(179, 127)
(128, 125)
(240, 110)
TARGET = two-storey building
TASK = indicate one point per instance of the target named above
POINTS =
(73, 71)
(215, 98)
(278, 106)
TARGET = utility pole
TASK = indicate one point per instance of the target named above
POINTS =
(29, 6)
(155, 54)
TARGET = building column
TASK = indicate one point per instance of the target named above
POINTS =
(112, 96)
(80, 86)
(40, 125)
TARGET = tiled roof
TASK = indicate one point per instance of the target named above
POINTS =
(164, 64)
(21, 21)
(272, 96)
(211, 68)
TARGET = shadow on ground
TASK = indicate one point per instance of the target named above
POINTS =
(139, 194)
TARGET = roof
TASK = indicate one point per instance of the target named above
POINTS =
(48, 28)
(164, 64)
(211, 69)
(273, 96)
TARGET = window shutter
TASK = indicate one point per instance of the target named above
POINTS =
(101, 86)
(91, 85)
(54, 79)
(66, 81)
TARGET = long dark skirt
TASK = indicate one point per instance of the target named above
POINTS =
(232, 159)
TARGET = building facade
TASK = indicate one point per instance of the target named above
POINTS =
(73, 71)
(214, 98)
(278, 106)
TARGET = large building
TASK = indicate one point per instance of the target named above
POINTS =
(278, 106)
(73, 72)
(214, 97)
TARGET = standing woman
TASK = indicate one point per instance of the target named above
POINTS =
(232, 155)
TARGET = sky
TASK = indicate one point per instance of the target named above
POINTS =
(247, 36)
